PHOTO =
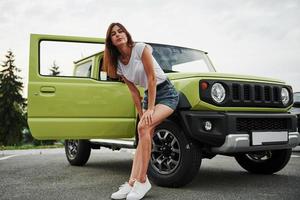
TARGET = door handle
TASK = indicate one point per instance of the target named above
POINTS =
(47, 89)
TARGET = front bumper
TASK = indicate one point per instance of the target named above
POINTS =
(232, 131)
(242, 143)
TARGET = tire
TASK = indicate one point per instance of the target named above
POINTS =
(77, 151)
(264, 162)
(175, 160)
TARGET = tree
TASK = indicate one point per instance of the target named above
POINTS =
(12, 103)
(54, 69)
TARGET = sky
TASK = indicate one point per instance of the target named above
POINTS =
(249, 37)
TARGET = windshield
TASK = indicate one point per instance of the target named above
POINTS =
(180, 59)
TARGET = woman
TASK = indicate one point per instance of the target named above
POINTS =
(134, 63)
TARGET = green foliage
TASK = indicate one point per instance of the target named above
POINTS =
(54, 69)
(14, 129)
(12, 103)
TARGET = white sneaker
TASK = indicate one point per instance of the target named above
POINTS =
(139, 190)
(122, 192)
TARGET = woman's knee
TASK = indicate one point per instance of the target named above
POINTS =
(144, 130)
(140, 127)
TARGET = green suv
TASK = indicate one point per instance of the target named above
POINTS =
(241, 116)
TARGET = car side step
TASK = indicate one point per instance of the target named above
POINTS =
(114, 144)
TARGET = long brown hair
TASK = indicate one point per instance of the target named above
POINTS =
(111, 52)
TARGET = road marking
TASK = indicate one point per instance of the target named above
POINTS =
(295, 156)
(7, 157)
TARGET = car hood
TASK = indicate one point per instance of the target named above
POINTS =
(216, 75)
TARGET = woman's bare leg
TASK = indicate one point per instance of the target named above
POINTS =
(161, 112)
(135, 165)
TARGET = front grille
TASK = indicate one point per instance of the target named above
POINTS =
(256, 93)
(247, 94)
(267, 91)
(261, 124)
(276, 96)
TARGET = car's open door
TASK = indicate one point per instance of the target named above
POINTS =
(66, 99)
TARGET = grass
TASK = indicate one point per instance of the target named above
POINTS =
(31, 146)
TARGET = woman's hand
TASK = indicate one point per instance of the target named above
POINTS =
(147, 116)
(141, 115)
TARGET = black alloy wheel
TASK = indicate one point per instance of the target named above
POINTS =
(175, 159)
(77, 151)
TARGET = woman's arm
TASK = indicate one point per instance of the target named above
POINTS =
(135, 93)
(149, 69)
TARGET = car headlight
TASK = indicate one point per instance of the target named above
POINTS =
(218, 92)
(285, 97)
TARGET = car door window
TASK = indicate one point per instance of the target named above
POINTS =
(71, 59)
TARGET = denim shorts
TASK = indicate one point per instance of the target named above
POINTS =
(166, 94)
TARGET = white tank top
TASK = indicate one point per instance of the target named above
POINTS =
(134, 71)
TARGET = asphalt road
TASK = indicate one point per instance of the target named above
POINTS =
(46, 174)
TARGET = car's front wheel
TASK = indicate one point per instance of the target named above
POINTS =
(175, 160)
(77, 151)
(264, 162)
